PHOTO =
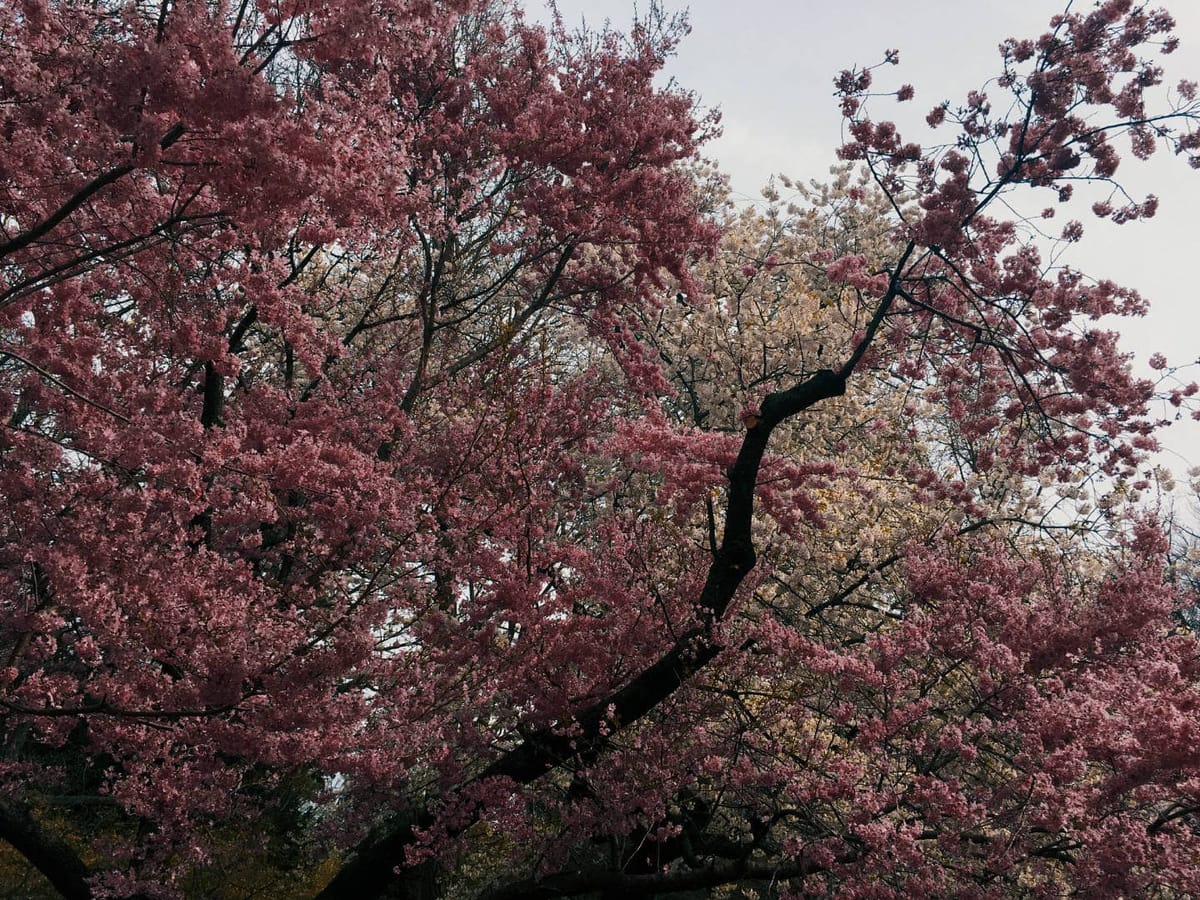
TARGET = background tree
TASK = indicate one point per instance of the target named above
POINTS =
(374, 414)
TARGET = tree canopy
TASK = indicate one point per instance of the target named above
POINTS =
(411, 452)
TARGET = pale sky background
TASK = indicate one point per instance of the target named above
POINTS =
(768, 65)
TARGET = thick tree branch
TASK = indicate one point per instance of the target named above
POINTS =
(214, 397)
(381, 859)
(80, 197)
(49, 854)
(44, 227)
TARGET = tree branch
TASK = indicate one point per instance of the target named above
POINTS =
(49, 854)
(80, 197)
(380, 859)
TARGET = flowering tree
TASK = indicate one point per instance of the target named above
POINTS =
(379, 416)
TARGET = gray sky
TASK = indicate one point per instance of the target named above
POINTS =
(769, 64)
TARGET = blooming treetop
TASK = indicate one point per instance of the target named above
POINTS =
(384, 404)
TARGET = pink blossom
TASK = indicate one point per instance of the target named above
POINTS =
(391, 403)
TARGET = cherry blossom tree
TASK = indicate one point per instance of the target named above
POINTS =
(394, 408)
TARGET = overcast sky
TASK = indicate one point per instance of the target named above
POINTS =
(768, 66)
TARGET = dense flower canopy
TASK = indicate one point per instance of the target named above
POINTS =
(406, 443)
